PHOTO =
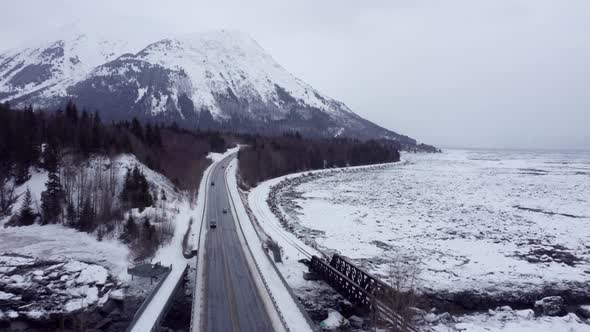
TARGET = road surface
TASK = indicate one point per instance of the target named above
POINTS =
(232, 301)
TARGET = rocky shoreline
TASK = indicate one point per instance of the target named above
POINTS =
(39, 294)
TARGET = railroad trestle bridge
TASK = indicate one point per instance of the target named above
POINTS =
(360, 287)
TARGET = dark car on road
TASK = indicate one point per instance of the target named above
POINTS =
(213, 224)
(224, 210)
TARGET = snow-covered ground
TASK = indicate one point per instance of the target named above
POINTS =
(59, 243)
(74, 268)
(463, 215)
(488, 222)
(513, 321)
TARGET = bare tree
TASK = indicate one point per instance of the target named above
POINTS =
(403, 276)
(68, 175)
(7, 195)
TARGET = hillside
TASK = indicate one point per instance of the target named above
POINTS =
(211, 80)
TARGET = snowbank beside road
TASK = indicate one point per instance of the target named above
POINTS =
(287, 306)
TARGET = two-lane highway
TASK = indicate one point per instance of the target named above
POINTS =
(232, 300)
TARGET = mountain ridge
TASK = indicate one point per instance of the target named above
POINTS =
(215, 79)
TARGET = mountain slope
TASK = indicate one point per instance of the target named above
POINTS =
(216, 79)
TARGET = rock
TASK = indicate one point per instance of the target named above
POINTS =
(532, 259)
(545, 258)
(572, 318)
(117, 295)
(17, 278)
(334, 321)
(504, 308)
(551, 306)
(356, 322)
(6, 296)
(345, 307)
(491, 312)
(12, 314)
(583, 311)
(108, 307)
(431, 318)
(526, 314)
(28, 294)
(37, 315)
(418, 314)
(444, 317)
(115, 314)
(310, 276)
(74, 305)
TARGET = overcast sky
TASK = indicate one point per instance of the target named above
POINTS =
(454, 73)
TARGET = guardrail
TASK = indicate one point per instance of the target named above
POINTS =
(299, 305)
(281, 317)
(199, 243)
(284, 282)
(169, 301)
(147, 300)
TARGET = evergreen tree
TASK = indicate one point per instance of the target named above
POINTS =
(21, 173)
(72, 112)
(27, 217)
(50, 157)
(148, 230)
(137, 129)
(86, 218)
(127, 188)
(136, 190)
(71, 215)
(144, 198)
(96, 133)
(157, 136)
(53, 197)
(130, 230)
(149, 134)
(84, 134)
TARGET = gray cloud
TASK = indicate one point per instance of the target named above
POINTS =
(513, 73)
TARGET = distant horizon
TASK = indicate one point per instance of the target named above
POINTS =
(516, 149)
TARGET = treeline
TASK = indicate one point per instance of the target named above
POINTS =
(269, 157)
(25, 133)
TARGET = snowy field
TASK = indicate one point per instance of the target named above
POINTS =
(473, 219)
(499, 223)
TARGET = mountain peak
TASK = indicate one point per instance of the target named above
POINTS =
(207, 79)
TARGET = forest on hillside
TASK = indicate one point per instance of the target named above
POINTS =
(268, 157)
(77, 152)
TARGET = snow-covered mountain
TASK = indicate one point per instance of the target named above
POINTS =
(210, 80)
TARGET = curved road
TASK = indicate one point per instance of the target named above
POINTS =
(232, 301)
